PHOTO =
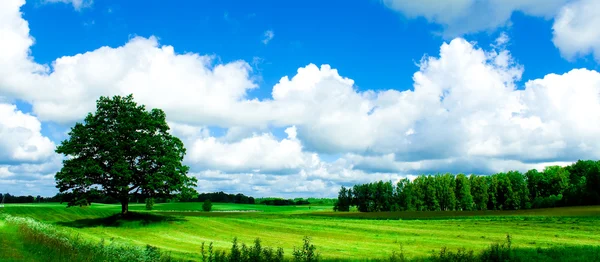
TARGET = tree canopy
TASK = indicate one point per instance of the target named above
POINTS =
(122, 149)
(577, 184)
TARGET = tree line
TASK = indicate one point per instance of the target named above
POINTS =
(271, 201)
(221, 197)
(8, 198)
(574, 185)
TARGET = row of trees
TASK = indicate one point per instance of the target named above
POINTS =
(221, 197)
(577, 184)
(283, 202)
(8, 198)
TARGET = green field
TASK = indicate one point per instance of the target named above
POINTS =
(336, 235)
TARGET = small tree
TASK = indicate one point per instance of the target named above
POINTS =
(149, 203)
(207, 206)
(120, 150)
(307, 253)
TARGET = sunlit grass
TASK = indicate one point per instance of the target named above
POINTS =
(337, 235)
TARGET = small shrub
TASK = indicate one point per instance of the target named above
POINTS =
(498, 252)
(207, 206)
(307, 253)
(149, 203)
(398, 256)
(235, 254)
(242, 253)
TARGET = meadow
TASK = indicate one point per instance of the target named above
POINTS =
(181, 228)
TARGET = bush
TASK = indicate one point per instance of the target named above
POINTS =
(149, 203)
(498, 252)
(307, 253)
(256, 253)
(546, 202)
(207, 206)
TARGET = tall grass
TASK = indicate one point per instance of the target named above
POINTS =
(501, 252)
(54, 244)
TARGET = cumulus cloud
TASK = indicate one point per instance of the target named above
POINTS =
(20, 137)
(259, 153)
(464, 113)
(156, 75)
(23, 178)
(27, 158)
(576, 29)
(458, 17)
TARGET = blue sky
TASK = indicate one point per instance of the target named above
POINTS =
(387, 130)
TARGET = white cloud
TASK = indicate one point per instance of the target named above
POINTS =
(260, 153)
(464, 104)
(458, 17)
(575, 21)
(77, 4)
(576, 29)
(27, 158)
(463, 113)
(157, 76)
(268, 36)
(20, 137)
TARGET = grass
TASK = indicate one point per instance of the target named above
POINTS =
(180, 228)
(11, 248)
(584, 211)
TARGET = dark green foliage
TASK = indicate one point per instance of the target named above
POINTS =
(122, 150)
(461, 255)
(343, 201)
(8, 198)
(133, 219)
(149, 203)
(307, 253)
(520, 191)
(207, 206)
(505, 197)
(236, 254)
(221, 197)
(498, 252)
(445, 186)
(578, 184)
(464, 198)
(243, 253)
(479, 191)
(398, 256)
(431, 200)
(404, 196)
(282, 202)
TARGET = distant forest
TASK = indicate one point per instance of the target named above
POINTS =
(574, 185)
(95, 196)
(8, 198)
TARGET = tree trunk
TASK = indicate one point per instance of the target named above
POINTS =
(124, 206)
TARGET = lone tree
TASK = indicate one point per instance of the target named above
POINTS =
(207, 206)
(122, 150)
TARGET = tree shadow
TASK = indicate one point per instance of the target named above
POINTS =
(132, 219)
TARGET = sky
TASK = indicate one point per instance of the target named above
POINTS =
(297, 98)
